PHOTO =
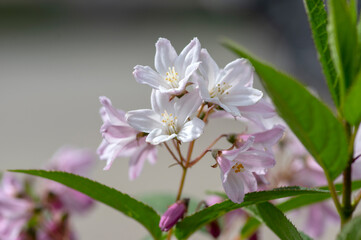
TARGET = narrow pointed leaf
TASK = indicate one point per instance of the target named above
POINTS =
(317, 17)
(351, 230)
(275, 220)
(129, 206)
(310, 119)
(192, 223)
(343, 43)
(352, 108)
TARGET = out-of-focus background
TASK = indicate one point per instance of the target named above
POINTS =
(58, 57)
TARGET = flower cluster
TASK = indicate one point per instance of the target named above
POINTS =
(188, 90)
(24, 214)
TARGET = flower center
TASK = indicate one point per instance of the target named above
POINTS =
(238, 167)
(172, 78)
(170, 121)
(220, 89)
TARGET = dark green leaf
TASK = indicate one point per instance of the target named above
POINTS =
(294, 203)
(352, 230)
(301, 201)
(192, 223)
(129, 206)
(343, 43)
(275, 220)
(313, 122)
(317, 16)
(352, 108)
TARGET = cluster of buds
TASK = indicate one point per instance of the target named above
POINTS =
(188, 90)
(26, 214)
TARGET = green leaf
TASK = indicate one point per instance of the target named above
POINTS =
(317, 17)
(192, 223)
(352, 109)
(301, 201)
(252, 224)
(313, 122)
(275, 220)
(343, 43)
(351, 230)
(129, 206)
(353, 9)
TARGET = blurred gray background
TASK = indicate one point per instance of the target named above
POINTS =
(57, 57)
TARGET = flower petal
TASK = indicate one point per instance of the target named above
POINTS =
(188, 56)
(208, 68)
(115, 116)
(137, 161)
(158, 136)
(238, 73)
(249, 181)
(144, 120)
(191, 130)
(241, 96)
(270, 137)
(165, 55)
(160, 102)
(233, 187)
(187, 105)
(256, 161)
(146, 75)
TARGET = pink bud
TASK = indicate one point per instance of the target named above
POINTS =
(175, 212)
(214, 229)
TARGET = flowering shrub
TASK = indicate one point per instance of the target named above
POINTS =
(188, 91)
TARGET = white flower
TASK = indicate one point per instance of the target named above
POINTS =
(230, 87)
(168, 119)
(173, 71)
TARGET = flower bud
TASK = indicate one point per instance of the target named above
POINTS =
(175, 212)
(214, 229)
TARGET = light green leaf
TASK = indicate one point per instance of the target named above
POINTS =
(343, 43)
(353, 9)
(352, 108)
(310, 119)
(129, 206)
(317, 17)
(194, 222)
(275, 220)
(352, 230)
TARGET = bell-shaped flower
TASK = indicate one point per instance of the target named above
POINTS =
(122, 140)
(230, 87)
(168, 119)
(175, 212)
(172, 71)
(238, 167)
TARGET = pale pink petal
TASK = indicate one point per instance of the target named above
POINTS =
(249, 181)
(165, 55)
(239, 72)
(158, 136)
(208, 68)
(233, 187)
(161, 102)
(188, 56)
(187, 105)
(270, 137)
(115, 116)
(146, 75)
(256, 161)
(191, 130)
(241, 96)
(144, 120)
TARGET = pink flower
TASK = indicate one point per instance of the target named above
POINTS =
(14, 211)
(122, 140)
(173, 71)
(238, 167)
(230, 87)
(175, 212)
(169, 119)
(77, 161)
